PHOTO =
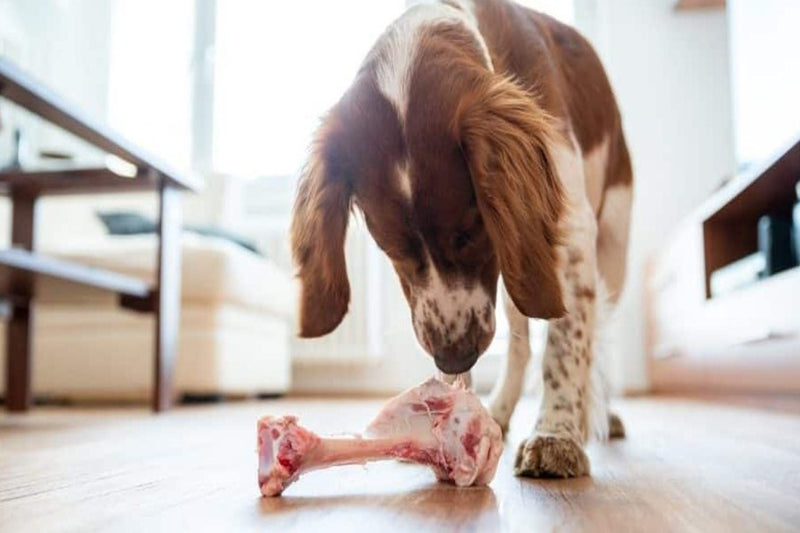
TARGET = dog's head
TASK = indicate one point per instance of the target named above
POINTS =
(449, 164)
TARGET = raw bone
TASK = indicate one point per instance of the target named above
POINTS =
(439, 425)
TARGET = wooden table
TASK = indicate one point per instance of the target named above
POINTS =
(26, 275)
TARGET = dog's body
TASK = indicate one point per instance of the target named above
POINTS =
(480, 138)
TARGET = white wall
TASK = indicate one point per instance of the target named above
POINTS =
(670, 72)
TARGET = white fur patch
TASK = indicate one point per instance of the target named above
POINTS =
(597, 415)
(572, 404)
(579, 223)
(616, 211)
(449, 310)
(468, 8)
(400, 47)
(508, 388)
(568, 162)
(404, 181)
(614, 225)
(594, 169)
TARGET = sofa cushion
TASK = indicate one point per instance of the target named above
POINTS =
(213, 270)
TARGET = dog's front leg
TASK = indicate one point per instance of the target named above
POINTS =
(555, 449)
(507, 390)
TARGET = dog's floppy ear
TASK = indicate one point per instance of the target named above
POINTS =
(319, 225)
(505, 136)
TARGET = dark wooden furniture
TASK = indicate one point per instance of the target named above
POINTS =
(26, 275)
(747, 340)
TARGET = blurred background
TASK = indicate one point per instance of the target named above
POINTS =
(231, 91)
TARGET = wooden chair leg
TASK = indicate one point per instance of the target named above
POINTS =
(168, 296)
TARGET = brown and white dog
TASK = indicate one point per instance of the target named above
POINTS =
(480, 139)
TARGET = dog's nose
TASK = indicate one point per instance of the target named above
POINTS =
(455, 364)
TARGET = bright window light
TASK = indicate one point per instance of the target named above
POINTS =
(563, 10)
(150, 77)
(279, 67)
(766, 115)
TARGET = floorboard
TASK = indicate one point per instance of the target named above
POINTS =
(687, 465)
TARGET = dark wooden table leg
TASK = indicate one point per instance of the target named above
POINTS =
(168, 298)
(19, 332)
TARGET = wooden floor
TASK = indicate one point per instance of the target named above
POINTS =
(685, 466)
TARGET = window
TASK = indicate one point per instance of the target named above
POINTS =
(279, 67)
(150, 75)
(765, 79)
(563, 10)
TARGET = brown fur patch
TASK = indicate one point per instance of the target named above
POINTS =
(566, 71)
(505, 137)
(354, 140)
(574, 256)
(563, 407)
(321, 212)
(562, 368)
(584, 292)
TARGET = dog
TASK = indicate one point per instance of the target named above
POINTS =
(481, 140)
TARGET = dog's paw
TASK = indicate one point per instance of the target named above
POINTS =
(547, 456)
(616, 429)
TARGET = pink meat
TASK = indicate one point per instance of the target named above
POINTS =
(435, 424)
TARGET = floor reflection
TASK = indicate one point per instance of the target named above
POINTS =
(429, 504)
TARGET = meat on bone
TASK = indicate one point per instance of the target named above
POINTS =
(435, 424)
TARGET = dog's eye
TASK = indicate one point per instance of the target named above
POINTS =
(460, 240)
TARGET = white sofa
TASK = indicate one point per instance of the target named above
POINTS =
(236, 321)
